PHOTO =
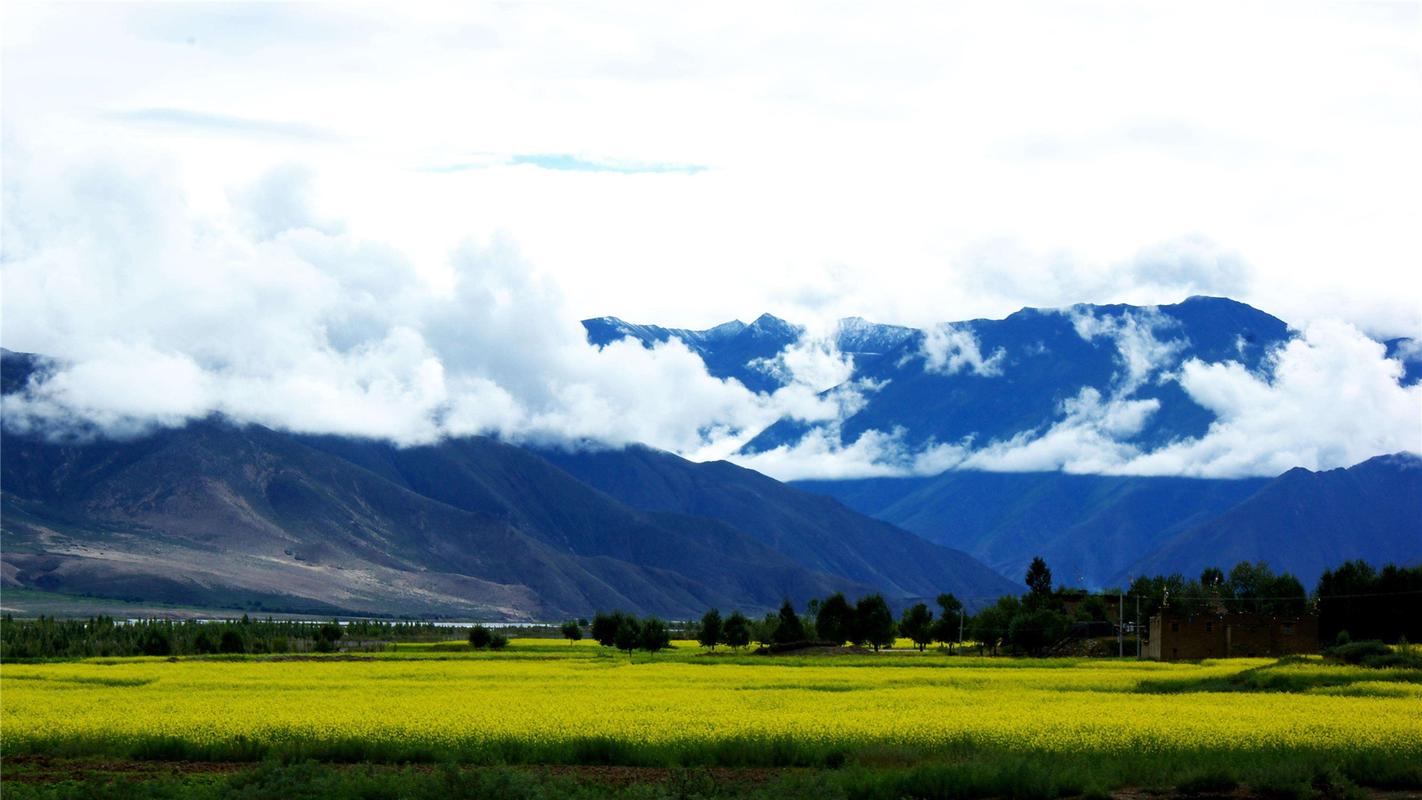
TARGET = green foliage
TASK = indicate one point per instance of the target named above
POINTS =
(788, 627)
(1034, 631)
(1092, 609)
(737, 632)
(1376, 655)
(710, 633)
(231, 642)
(763, 629)
(572, 631)
(156, 641)
(604, 627)
(629, 634)
(46, 637)
(654, 635)
(480, 637)
(948, 627)
(990, 626)
(917, 624)
(834, 619)
(1039, 583)
(1255, 588)
(873, 622)
(1370, 604)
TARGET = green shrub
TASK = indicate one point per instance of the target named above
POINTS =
(480, 637)
(1355, 652)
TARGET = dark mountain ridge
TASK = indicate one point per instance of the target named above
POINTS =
(216, 513)
(1099, 531)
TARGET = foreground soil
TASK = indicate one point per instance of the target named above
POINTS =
(46, 776)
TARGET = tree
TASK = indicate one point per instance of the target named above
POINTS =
(834, 619)
(948, 628)
(788, 627)
(604, 627)
(1255, 587)
(874, 622)
(1033, 631)
(479, 637)
(654, 635)
(737, 632)
(1092, 609)
(1039, 584)
(572, 631)
(629, 634)
(763, 629)
(327, 635)
(917, 624)
(498, 641)
(989, 626)
(231, 642)
(1212, 577)
(157, 641)
(710, 634)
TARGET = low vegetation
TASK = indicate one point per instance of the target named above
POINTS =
(632, 706)
(546, 702)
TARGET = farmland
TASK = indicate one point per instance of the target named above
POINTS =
(1084, 725)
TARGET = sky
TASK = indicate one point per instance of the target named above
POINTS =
(388, 220)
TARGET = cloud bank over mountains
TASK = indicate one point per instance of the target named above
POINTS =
(217, 209)
(1329, 397)
(276, 315)
(271, 315)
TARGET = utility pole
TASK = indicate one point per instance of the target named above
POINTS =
(1138, 626)
(1121, 625)
(960, 624)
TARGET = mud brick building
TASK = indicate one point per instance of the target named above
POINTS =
(1226, 635)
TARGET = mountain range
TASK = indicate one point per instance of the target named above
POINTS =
(224, 514)
(986, 380)
(214, 513)
(1100, 531)
(990, 380)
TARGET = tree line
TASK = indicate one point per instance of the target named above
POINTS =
(47, 637)
(1385, 605)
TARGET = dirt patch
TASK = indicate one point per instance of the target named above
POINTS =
(627, 776)
(46, 769)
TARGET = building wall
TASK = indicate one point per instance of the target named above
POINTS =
(1178, 636)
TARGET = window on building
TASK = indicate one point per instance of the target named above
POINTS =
(1288, 629)
(1209, 627)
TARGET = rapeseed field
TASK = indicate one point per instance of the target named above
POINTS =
(542, 702)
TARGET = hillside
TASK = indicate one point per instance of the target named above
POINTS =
(1305, 522)
(814, 530)
(219, 514)
(1099, 531)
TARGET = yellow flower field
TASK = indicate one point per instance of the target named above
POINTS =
(550, 702)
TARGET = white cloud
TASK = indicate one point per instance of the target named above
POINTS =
(159, 316)
(1326, 399)
(814, 361)
(874, 454)
(913, 165)
(1330, 400)
(857, 162)
(1138, 349)
(949, 349)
